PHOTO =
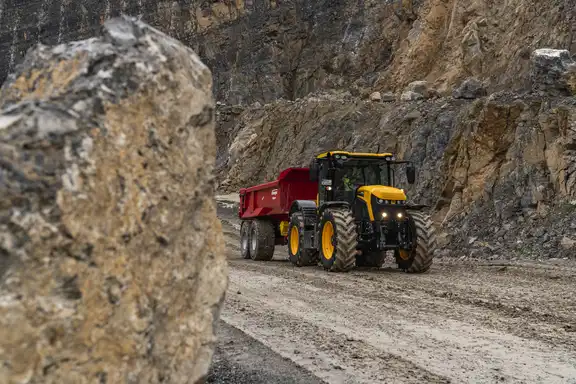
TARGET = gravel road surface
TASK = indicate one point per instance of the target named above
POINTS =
(463, 322)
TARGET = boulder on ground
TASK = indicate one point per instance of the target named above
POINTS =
(112, 266)
(470, 88)
(417, 90)
(553, 72)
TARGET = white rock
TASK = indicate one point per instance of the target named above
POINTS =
(375, 96)
(568, 243)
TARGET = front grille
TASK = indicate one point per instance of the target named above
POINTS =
(391, 207)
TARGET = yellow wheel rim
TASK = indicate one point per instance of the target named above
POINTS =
(327, 246)
(294, 241)
(404, 254)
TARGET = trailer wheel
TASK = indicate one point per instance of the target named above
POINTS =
(419, 259)
(298, 255)
(338, 240)
(262, 238)
(245, 239)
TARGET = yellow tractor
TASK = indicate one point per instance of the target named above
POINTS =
(359, 216)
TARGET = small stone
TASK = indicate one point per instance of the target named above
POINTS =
(411, 96)
(413, 115)
(389, 97)
(375, 96)
(470, 88)
(568, 243)
(418, 90)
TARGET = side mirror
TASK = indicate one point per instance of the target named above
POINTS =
(411, 174)
(314, 170)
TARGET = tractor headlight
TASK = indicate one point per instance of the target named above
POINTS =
(399, 215)
(384, 215)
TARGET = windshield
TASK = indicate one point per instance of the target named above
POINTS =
(371, 174)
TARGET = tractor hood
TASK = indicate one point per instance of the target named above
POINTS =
(383, 192)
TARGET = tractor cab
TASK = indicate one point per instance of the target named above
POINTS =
(359, 179)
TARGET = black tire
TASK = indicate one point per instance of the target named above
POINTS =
(421, 257)
(302, 257)
(344, 240)
(262, 238)
(371, 259)
(245, 239)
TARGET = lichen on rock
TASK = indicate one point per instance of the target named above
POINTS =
(112, 265)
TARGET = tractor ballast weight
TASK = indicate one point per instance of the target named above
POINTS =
(346, 212)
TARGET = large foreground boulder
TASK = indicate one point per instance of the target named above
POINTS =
(112, 266)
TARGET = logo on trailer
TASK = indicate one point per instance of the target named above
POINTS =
(274, 193)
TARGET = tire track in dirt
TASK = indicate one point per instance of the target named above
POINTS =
(419, 331)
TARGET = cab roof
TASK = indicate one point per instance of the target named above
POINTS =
(355, 154)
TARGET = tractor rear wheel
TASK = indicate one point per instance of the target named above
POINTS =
(245, 239)
(299, 256)
(262, 238)
(419, 259)
(371, 259)
(338, 240)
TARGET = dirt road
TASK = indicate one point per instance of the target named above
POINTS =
(462, 322)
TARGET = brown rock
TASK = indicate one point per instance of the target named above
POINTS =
(417, 90)
(112, 265)
(568, 243)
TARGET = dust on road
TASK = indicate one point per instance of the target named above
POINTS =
(463, 322)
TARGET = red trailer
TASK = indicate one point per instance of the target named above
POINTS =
(264, 210)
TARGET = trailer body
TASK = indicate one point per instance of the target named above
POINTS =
(272, 201)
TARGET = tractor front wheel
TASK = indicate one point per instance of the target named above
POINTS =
(299, 256)
(338, 240)
(419, 258)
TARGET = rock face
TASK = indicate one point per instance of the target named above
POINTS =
(301, 47)
(261, 50)
(23, 24)
(111, 258)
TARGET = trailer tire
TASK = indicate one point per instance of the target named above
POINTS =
(262, 239)
(421, 257)
(245, 239)
(298, 255)
(338, 239)
(371, 259)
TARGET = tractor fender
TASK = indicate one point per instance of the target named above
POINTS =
(308, 210)
(332, 204)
